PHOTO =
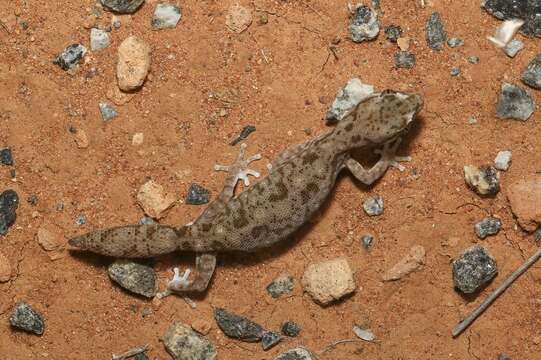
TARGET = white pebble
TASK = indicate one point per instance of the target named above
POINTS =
(503, 160)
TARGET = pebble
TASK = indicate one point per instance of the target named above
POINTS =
(455, 42)
(329, 280)
(108, 112)
(531, 76)
(347, 98)
(122, 6)
(24, 317)
(80, 220)
(282, 285)
(514, 103)
(363, 334)
(145, 220)
(537, 236)
(411, 262)
(99, 39)
(513, 9)
(483, 180)
(404, 59)
(202, 326)
(238, 18)
(503, 160)
(513, 48)
(6, 158)
(166, 16)
(9, 202)
(473, 60)
(269, 339)
(363, 24)
(133, 63)
(473, 269)
(525, 197)
(291, 329)
(182, 343)
(50, 237)
(403, 43)
(503, 357)
(435, 34)
(197, 195)
(81, 139)
(238, 327)
(137, 278)
(137, 139)
(455, 71)
(393, 33)
(488, 226)
(5, 269)
(70, 57)
(154, 200)
(244, 133)
(368, 241)
(373, 206)
(298, 353)
(472, 120)
(141, 356)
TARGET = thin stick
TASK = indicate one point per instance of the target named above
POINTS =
(130, 353)
(490, 299)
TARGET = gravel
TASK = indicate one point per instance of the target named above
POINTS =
(473, 269)
(515, 103)
(373, 206)
(363, 24)
(404, 59)
(531, 76)
(136, 278)
(238, 327)
(122, 6)
(24, 317)
(435, 34)
(488, 226)
(6, 157)
(197, 195)
(9, 202)
(70, 56)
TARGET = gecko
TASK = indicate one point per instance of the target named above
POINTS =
(298, 183)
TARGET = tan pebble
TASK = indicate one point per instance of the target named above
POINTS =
(403, 43)
(202, 326)
(408, 264)
(89, 22)
(81, 139)
(153, 199)
(137, 139)
(238, 18)
(50, 237)
(328, 281)
(133, 63)
(5, 268)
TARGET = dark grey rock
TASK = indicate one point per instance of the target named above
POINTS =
(166, 16)
(347, 98)
(503, 357)
(238, 327)
(244, 133)
(514, 103)
(513, 48)
(122, 6)
(487, 226)
(393, 32)
(282, 285)
(455, 72)
(363, 24)
(32, 200)
(108, 112)
(269, 339)
(197, 195)
(368, 241)
(473, 60)
(537, 236)
(435, 34)
(527, 10)
(298, 353)
(141, 356)
(81, 220)
(24, 317)
(373, 206)
(455, 42)
(474, 269)
(291, 329)
(376, 4)
(6, 158)
(9, 202)
(137, 278)
(531, 76)
(182, 343)
(404, 59)
(70, 57)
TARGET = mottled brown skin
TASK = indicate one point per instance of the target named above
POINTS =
(276, 206)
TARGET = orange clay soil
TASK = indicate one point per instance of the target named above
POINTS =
(280, 77)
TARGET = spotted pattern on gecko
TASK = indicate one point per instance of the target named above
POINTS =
(271, 210)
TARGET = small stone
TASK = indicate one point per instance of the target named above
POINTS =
(147, 221)
(81, 139)
(473, 269)
(182, 343)
(137, 139)
(363, 24)
(514, 103)
(24, 317)
(531, 76)
(238, 18)
(108, 112)
(525, 197)
(245, 132)
(137, 278)
(373, 206)
(116, 22)
(503, 160)
(403, 43)
(472, 120)
(347, 98)
(141, 356)
(282, 285)
(50, 237)
(6, 158)
(197, 195)
(9, 202)
(166, 16)
(263, 18)
(455, 42)
(455, 71)
(5, 269)
(473, 60)
(368, 241)
(122, 6)
(363, 334)
(298, 353)
(517, 9)
(202, 326)
(70, 57)
(503, 357)
(484, 180)
(238, 327)
(487, 226)
(133, 63)
(435, 34)
(393, 33)
(153, 199)
(32, 200)
(513, 48)
(269, 339)
(411, 262)
(80, 220)
(329, 280)
(99, 39)
(291, 329)
(404, 59)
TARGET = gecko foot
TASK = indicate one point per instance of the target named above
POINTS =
(240, 167)
(178, 283)
(389, 152)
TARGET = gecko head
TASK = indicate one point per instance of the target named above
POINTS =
(381, 117)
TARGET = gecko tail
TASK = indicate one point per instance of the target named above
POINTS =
(131, 241)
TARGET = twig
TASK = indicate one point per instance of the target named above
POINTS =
(332, 345)
(490, 299)
(264, 56)
(130, 353)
